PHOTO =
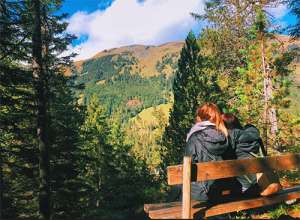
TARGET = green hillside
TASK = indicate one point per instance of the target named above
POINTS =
(144, 132)
(130, 79)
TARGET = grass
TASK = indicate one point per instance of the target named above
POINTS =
(269, 212)
(148, 115)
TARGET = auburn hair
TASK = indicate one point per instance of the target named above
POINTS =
(231, 121)
(210, 112)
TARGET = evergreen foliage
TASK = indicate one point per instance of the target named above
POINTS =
(117, 92)
(22, 93)
(115, 179)
(226, 31)
(18, 153)
(65, 152)
(193, 85)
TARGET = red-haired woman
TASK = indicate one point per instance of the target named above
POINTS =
(206, 141)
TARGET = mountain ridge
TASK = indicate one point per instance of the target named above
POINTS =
(142, 74)
(147, 56)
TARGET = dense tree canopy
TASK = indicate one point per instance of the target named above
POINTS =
(95, 144)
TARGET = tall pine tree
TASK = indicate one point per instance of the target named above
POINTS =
(59, 158)
(17, 112)
(40, 121)
(194, 84)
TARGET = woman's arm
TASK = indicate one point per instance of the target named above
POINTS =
(190, 149)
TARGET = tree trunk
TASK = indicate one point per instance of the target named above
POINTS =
(270, 116)
(40, 80)
(266, 82)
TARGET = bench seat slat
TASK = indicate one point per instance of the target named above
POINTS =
(148, 207)
(173, 211)
(230, 168)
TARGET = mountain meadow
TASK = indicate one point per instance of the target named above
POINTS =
(91, 139)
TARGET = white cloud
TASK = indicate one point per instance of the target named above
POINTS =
(278, 11)
(128, 22)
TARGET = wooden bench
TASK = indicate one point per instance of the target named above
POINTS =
(188, 172)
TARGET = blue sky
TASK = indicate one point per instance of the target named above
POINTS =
(73, 6)
(105, 24)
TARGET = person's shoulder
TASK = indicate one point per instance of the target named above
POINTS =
(249, 133)
(194, 136)
(211, 131)
(210, 128)
(200, 134)
(251, 128)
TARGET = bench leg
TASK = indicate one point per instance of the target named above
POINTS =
(186, 188)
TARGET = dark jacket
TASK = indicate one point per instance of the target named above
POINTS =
(246, 143)
(204, 144)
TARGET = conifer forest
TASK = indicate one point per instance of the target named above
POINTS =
(91, 139)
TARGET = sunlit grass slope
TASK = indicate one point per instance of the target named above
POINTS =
(148, 116)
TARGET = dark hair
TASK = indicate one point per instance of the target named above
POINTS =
(231, 121)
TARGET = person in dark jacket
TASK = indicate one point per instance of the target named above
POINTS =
(247, 143)
(206, 141)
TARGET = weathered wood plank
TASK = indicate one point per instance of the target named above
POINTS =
(198, 209)
(230, 168)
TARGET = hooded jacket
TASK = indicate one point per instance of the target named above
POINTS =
(204, 143)
(246, 143)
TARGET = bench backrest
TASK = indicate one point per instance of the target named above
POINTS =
(188, 172)
(230, 168)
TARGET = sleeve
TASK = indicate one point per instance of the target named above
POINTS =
(252, 147)
(190, 149)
